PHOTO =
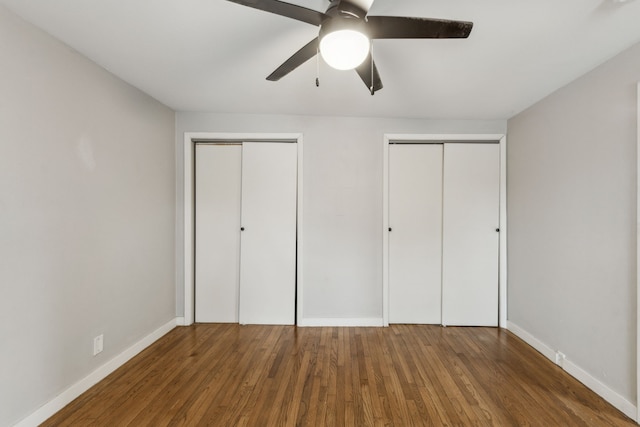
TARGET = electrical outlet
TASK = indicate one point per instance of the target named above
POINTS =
(98, 344)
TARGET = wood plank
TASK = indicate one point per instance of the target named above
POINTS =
(227, 374)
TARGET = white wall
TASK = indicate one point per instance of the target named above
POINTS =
(87, 211)
(572, 222)
(342, 200)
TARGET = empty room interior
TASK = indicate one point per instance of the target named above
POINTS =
(205, 220)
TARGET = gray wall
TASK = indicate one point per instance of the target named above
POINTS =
(572, 221)
(342, 200)
(87, 212)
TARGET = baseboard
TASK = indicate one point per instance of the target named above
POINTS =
(180, 321)
(341, 322)
(628, 408)
(525, 336)
(611, 396)
(67, 396)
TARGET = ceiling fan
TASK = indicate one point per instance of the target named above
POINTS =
(346, 31)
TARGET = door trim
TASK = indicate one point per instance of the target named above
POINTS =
(501, 139)
(637, 417)
(190, 139)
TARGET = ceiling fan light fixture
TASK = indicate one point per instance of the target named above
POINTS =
(344, 49)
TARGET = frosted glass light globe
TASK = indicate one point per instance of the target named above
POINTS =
(344, 49)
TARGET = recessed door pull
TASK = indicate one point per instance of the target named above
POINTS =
(389, 228)
(241, 228)
(497, 230)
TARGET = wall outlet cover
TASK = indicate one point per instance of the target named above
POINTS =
(98, 344)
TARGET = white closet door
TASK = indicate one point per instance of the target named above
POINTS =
(470, 240)
(415, 241)
(268, 242)
(217, 222)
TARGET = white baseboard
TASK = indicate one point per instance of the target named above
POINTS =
(67, 396)
(628, 408)
(534, 342)
(341, 322)
(180, 321)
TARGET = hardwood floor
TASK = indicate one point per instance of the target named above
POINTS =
(404, 375)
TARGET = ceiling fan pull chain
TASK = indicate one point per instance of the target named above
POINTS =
(371, 55)
(318, 67)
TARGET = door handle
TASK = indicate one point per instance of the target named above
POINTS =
(241, 228)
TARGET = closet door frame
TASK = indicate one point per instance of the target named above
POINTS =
(500, 139)
(188, 232)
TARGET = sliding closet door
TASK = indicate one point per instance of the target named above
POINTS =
(268, 239)
(217, 221)
(415, 239)
(470, 239)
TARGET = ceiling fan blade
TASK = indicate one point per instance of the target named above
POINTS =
(397, 27)
(368, 72)
(289, 10)
(300, 57)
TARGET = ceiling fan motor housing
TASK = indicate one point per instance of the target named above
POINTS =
(345, 8)
(343, 23)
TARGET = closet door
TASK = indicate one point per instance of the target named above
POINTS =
(415, 239)
(470, 241)
(217, 221)
(268, 241)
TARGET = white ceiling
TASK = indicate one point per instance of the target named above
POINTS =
(213, 55)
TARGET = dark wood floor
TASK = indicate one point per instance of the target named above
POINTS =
(231, 375)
